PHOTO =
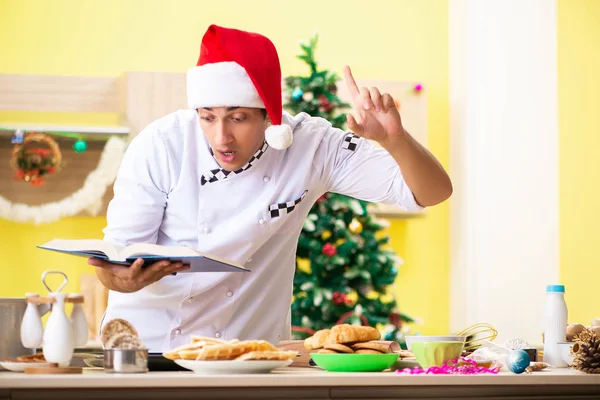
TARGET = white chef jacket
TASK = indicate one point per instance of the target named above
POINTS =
(170, 190)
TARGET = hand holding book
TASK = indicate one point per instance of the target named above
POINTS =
(129, 279)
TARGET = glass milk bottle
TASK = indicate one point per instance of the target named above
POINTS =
(555, 324)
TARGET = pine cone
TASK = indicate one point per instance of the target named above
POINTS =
(587, 352)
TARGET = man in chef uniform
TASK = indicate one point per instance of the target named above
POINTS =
(234, 176)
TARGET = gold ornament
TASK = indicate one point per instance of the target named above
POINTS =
(355, 226)
(386, 298)
(372, 295)
(380, 327)
(325, 235)
(304, 265)
(352, 298)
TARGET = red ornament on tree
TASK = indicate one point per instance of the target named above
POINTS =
(339, 298)
(325, 104)
(322, 198)
(329, 250)
(395, 319)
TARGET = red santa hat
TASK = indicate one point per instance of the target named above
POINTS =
(239, 69)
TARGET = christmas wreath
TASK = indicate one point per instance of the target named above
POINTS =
(37, 157)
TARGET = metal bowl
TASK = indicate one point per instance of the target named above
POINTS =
(125, 361)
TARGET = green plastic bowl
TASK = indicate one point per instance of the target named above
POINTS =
(430, 354)
(354, 362)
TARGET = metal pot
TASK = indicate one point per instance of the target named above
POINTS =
(11, 314)
(125, 360)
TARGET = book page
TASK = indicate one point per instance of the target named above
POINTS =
(85, 245)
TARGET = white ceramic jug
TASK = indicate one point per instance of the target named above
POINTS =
(58, 342)
(80, 327)
(32, 330)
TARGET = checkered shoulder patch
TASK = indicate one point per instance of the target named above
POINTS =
(350, 141)
(220, 174)
(279, 209)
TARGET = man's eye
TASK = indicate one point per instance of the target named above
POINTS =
(207, 118)
(239, 119)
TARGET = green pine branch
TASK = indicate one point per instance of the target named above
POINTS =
(362, 268)
(315, 94)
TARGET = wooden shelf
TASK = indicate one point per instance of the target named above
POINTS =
(103, 130)
(139, 98)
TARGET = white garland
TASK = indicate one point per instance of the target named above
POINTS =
(88, 197)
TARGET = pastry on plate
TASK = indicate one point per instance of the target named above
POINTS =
(343, 334)
(208, 349)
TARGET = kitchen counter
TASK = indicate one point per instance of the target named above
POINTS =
(299, 383)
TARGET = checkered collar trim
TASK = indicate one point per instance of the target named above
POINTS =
(219, 174)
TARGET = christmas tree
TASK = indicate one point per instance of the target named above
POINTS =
(343, 269)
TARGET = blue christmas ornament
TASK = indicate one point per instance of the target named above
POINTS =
(517, 361)
(297, 94)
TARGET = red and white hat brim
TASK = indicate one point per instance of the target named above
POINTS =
(223, 84)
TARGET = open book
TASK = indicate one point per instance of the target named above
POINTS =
(151, 253)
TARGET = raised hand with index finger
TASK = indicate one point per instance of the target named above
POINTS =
(377, 117)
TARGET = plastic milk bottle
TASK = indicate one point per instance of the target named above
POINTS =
(555, 324)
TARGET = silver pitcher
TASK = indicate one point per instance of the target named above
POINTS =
(11, 315)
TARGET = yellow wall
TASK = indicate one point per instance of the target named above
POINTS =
(23, 264)
(393, 39)
(579, 105)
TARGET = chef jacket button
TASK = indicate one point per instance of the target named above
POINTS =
(205, 229)
(218, 335)
(261, 221)
(266, 179)
(229, 294)
(178, 331)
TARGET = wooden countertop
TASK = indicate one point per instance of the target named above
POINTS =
(287, 377)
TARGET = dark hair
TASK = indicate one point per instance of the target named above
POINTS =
(263, 110)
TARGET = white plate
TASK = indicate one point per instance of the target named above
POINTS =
(233, 366)
(20, 366)
(96, 362)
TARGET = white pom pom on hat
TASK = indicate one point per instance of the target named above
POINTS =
(279, 136)
(240, 69)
